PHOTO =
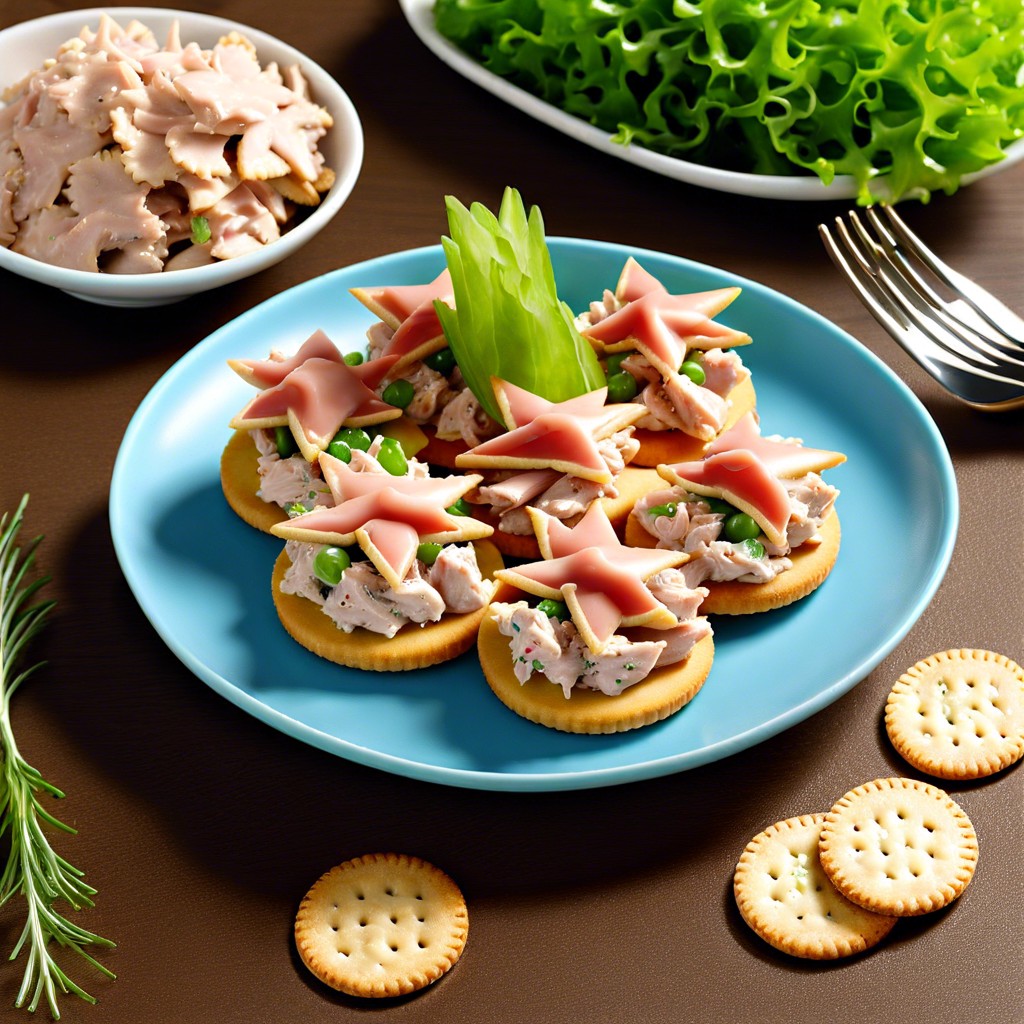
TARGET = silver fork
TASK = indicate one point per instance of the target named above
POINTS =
(969, 341)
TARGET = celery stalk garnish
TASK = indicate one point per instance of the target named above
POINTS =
(508, 321)
(33, 869)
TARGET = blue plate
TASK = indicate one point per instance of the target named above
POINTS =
(202, 576)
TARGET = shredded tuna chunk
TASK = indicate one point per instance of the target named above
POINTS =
(462, 417)
(363, 599)
(676, 403)
(543, 644)
(562, 496)
(696, 530)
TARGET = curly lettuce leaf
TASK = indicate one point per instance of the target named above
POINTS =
(508, 321)
(920, 91)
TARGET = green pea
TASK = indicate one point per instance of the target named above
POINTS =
(399, 393)
(621, 387)
(694, 371)
(353, 358)
(553, 609)
(339, 449)
(296, 508)
(668, 509)
(392, 458)
(428, 552)
(285, 442)
(613, 362)
(754, 548)
(441, 361)
(740, 526)
(330, 564)
(354, 437)
(460, 508)
(720, 506)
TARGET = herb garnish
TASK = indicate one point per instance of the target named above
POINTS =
(33, 869)
(200, 230)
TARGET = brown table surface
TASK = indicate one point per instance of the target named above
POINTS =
(201, 827)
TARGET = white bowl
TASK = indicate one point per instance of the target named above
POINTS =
(25, 46)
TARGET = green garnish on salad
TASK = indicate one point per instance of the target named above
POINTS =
(923, 91)
(508, 321)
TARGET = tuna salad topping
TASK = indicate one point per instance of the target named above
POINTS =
(597, 614)
(558, 457)
(739, 512)
(666, 352)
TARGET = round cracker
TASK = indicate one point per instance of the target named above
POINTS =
(632, 484)
(240, 480)
(785, 896)
(959, 714)
(899, 847)
(385, 924)
(668, 446)
(661, 694)
(414, 646)
(811, 565)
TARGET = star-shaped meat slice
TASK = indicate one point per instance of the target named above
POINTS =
(265, 373)
(747, 470)
(409, 310)
(552, 435)
(600, 579)
(316, 399)
(787, 459)
(387, 516)
(662, 326)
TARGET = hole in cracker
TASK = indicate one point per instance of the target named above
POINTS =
(389, 891)
(393, 948)
(393, 919)
(421, 944)
(362, 922)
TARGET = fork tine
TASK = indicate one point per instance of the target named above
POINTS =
(993, 312)
(928, 311)
(984, 333)
(891, 314)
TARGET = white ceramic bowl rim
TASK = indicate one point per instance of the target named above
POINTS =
(347, 131)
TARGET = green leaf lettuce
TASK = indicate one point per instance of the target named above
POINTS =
(923, 91)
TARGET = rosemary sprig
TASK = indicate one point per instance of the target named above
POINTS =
(33, 869)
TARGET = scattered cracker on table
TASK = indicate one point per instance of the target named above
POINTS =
(898, 846)
(785, 896)
(384, 924)
(959, 714)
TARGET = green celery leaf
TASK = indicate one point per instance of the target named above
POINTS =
(508, 321)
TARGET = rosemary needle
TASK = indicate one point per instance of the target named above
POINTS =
(33, 870)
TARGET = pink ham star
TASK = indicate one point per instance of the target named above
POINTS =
(599, 578)
(664, 327)
(552, 435)
(317, 398)
(387, 516)
(409, 309)
(265, 373)
(747, 470)
(787, 459)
